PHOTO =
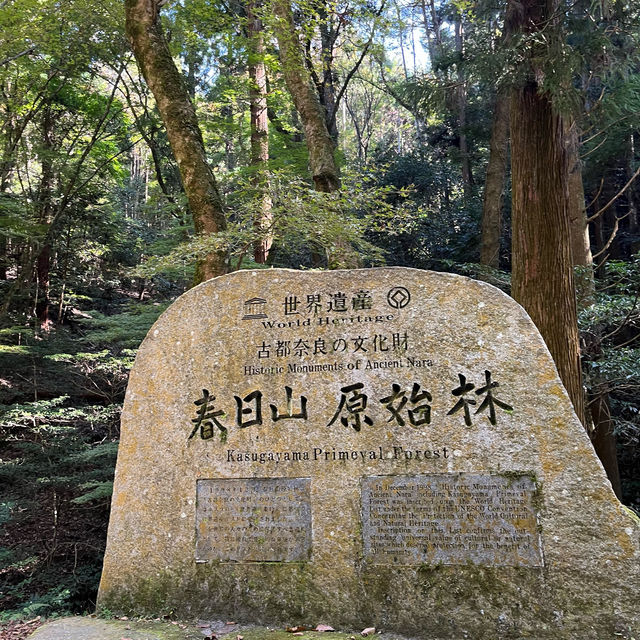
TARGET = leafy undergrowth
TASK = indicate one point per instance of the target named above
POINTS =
(60, 400)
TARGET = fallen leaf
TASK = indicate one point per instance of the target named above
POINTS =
(368, 631)
(230, 623)
(239, 637)
(296, 629)
(324, 627)
(124, 618)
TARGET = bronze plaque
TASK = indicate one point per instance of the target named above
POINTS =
(450, 518)
(253, 520)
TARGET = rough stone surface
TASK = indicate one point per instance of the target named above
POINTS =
(386, 394)
(92, 628)
(82, 628)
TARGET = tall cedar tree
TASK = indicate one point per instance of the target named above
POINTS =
(178, 114)
(598, 409)
(259, 131)
(542, 275)
(495, 182)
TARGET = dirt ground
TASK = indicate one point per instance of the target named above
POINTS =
(94, 628)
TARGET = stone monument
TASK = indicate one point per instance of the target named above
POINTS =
(379, 447)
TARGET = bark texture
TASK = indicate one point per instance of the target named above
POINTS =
(305, 97)
(495, 183)
(542, 276)
(328, 83)
(45, 217)
(578, 227)
(604, 439)
(542, 265)
(461, 108)
(259, 132)
(178, 114)
(597, 409)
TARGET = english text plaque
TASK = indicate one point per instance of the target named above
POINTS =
(451, 518)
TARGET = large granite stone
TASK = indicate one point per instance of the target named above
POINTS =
(385, 447)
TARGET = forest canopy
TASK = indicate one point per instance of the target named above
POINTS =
(148, 145)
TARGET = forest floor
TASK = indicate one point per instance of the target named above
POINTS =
(19, 629)
(94, 628)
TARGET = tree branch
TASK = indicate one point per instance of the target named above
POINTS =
(611, 237)
(352, 72)
(16, 56)
(606, 206)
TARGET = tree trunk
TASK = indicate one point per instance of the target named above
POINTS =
(328, 82)
(633, 222)
(178, 114)
(305, 97)
(45, 216)
(542, 278)
(604, 440)
(542, 275)
(495, 183)
(597, 411)
(401, 41)
(461, 106)
(259, 132)
(578, 227)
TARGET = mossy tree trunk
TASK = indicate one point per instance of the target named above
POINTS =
(305, 97)
(178, 114)
(320, 145)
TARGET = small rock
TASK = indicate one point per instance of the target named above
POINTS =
(368, 631)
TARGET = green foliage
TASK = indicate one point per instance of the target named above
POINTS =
(57, 472)
(125, 330)
(439, 225)
(610, 330)
(303, 220)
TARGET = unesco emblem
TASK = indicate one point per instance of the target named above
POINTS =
(398, 297)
